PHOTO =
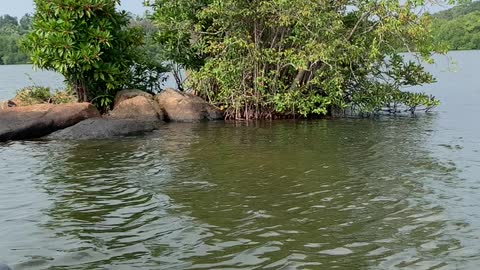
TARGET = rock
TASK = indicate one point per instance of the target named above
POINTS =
(130, 93)
(3, 105)
(139, 107)
(184, 107)
(104, 128)
(15, 102)
(4, 267)
(44, 107)
(36, 121)
(11, 103)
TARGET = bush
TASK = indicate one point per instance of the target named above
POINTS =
(32, 95)
(148, 73)
(88, 42)
(63, 96)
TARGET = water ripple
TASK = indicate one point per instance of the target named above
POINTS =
(215, 196)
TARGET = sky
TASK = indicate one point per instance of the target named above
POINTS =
(18, 8)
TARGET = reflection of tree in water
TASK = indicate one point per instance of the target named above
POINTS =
(298, 193)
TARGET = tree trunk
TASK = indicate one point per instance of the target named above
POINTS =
(298, 79)
(81, 92)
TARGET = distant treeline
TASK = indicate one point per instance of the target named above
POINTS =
(12, 30)
(459, 27)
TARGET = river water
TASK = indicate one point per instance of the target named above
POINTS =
(389, 193)
(13, 78)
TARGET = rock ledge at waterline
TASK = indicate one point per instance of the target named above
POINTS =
(104, 128)
(135, 112)
(184, 107)
(36, 121)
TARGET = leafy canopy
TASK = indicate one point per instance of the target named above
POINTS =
(268, 58)
(88, 42)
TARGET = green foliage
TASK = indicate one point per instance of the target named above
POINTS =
(149, 70)
(88, 42)
(63, 96)
(458, 28)
(38, 94)
(8, 21)
(11, 32)
(259, 58)
(464, 8)
(33, 95)
(147, 75)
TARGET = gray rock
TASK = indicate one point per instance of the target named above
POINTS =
(104, 128)
(36, 121)
(183, 107)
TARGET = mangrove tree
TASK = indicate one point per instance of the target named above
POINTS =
(281, 58)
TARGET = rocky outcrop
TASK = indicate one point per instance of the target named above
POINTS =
(130, 93)
(138, 107)
(183, 107)
(35, 121)
(135, 112)
(102, 128)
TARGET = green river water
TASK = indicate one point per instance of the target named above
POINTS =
(387, 193)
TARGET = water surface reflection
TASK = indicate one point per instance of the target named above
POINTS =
(345, 194)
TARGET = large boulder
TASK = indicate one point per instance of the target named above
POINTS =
(183, 107)
(104, 128)
(130, 93)
(138, 107)
(36, 121)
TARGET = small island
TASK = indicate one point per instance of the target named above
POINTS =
(237, 61)
(247, 60)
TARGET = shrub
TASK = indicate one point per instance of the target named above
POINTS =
(32, 95)
(88, 42)
(63, 96)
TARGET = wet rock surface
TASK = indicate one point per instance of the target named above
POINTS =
(104, 128)
(35, 121)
